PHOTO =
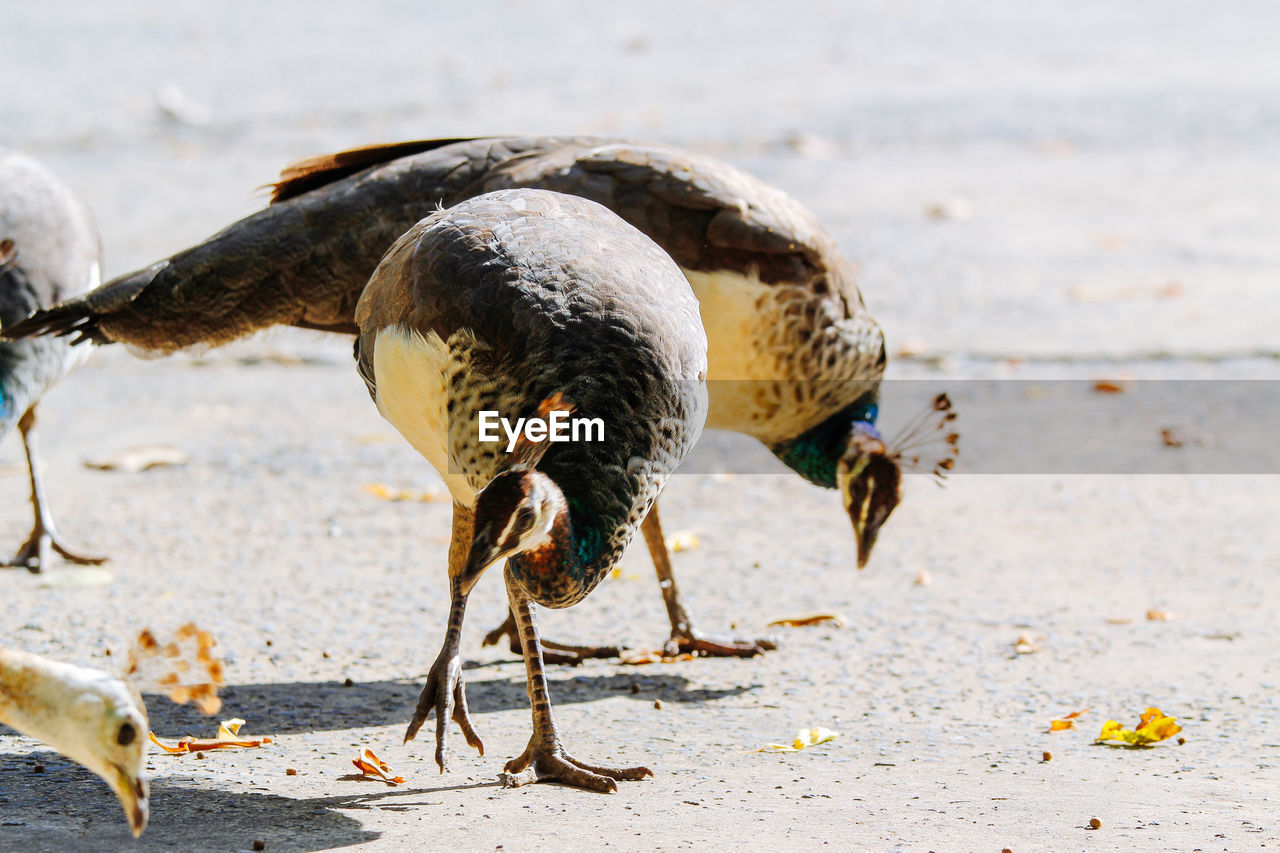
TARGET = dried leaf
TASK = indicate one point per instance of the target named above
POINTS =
(1067, 721)
(804, 739)
(682, 540)
(139, 459)
(812, 619)
(185, 668)
(381, 490)
(374, 767)
(1111, 386)
(1119, 620)
(228, 738)
(1153, 726)
(1154, 615)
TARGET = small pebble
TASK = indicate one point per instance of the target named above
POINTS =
(1006, 850)
(657, 704)
(39, 768)
(259, 844)
(1094, 823)
(199, 755)
(1181, 741)
(635, 688)
(289, 771)
(1047, 755)
(347, 682)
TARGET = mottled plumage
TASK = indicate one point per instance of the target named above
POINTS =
(526, 302)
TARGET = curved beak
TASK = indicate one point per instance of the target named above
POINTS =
(133, 793)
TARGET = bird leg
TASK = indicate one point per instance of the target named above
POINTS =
(445, 692)
(684, 636)
(34, 554)
(552, 652)
(544, 759)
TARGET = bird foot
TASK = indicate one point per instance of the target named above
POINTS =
(445, 693)
(548, 762)
(35, 554)
(708, 645)
(552, 652)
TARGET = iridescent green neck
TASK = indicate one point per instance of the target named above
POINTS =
(815, 454)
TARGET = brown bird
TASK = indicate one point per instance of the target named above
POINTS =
(49, 251)
(519, 303)
(795, 357)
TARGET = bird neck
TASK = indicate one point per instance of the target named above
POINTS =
(815, 454)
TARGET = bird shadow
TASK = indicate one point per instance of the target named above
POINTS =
(298, 707)
(67, 808)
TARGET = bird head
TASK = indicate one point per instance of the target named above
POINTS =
(520, 509)
(870, 482)
(517, 512)
(115, 748)
(869, 473)
(89, 716)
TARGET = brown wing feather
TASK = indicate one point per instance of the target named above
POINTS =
(309, 173)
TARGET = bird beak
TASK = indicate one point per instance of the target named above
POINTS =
(484, 552)
(131, 789)
(865, 532)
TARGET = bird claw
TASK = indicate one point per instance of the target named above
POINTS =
(445, 694)
(542, 762)
(35, 553)
(562, 654)
(707, 645)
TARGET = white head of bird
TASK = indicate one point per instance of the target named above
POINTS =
(89, 716)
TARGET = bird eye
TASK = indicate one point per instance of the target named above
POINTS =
(524, 517)
(126, 735)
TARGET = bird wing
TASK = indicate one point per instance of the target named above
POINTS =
(305, 260)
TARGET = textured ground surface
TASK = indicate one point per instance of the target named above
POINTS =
(1105, 176)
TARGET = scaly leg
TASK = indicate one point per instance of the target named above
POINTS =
(445, 692)
(544, 759)
(35, 552)
(684, 636)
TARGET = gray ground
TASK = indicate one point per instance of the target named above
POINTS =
(1106, 174)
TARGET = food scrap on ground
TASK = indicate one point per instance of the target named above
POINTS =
(646, 657)
(1067, 721)
(386, 493)
(804, 739)
(228, 737)
(139, 459)
(1153, 726)
(682, 540)
(185, 668)
(374, 767)
(834, 619)
(1025, 644)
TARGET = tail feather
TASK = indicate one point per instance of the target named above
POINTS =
(310, 173)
